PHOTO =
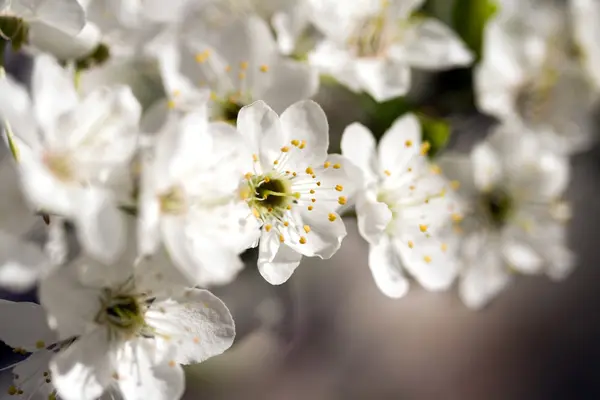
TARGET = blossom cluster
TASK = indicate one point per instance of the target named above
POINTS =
(175, 138)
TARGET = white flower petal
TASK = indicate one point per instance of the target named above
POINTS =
(66, 15)
(29, 375)
(21, 263)
(358, 145)
(15, 107)
(373, 216)
(306, 120)
(429, 261)
(198, 321)
(100, 226)
(383, 79)
(51, 82)
(276, 261)
(386, 269)
(329, 59)
(144, 375)
(25, 326)
(261, 127)
(83, 370)
(62, 45)
(487, 167)
(458, 167)
(521, 257)
(68, 317)
(289, 81)
(436, 47)
(325, 236)
(400, 143)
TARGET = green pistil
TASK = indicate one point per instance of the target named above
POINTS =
(497, 205)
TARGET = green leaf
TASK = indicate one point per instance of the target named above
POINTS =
(383, 115)
(436, 132)
(469, 19)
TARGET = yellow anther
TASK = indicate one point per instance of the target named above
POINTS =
(294, 174)
(457, 217)
(425, 147)
(286, 224)
(172, 363)
(40, 344)
(289, 207)
(254, 157)
(202, 57)
(306, 228)
(268, 227)
(297, 195)
(318, 183)
(12, 390)
(310, 208)
(342, 200)
(242, 76)
(387, 172)
(312, 191)
(256, 213)
(337, 166)
(285, 149)
(412, 187)
(176, 93)
(455, 185)
(327, 164)
(314, 176)
(267, 179)
(309, 171)
(227, 68)
(339, 188)
(302, 144)
(409, 169)
(444, 247)
(423, 228)
(313, 200)
(270, 209)
(275, 162)
(244, 65)
(171, 104)
(213, 96)
(427, 259)
(411, 244)
(435, 169)
(264, 68)
(248, 175)
(332, 217)
(281, 238)
(295, 142)
(302, 240)
(408, 143)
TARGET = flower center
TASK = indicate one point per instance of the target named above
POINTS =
(371, 37)
(497, 206)
(60, 166)
(270, 195)
(173, 201)
(122, 314)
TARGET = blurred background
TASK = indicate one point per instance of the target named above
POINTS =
(329, 333)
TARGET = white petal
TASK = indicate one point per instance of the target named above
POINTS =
(521, 257)
(276, 262)
(306, 120)
(386, 269)
(16, 108)
(148, 238)
(82, 371)
(585, 13)
(25, 326)
(487, 167)
(429, 261)
(21, 263)
(51, 82)
(289, 82)
(436, 47)
(383, 79)
(373, 217)
(64, 46)
(29, 375)
(69, 315)
(332, 60)
(358, 145)
(325, 236)
(66, 15)
(458, 167)
(400, 143)
(484, 275)
(145, 375)
(100, 226)
(197, 321)
(260, 125)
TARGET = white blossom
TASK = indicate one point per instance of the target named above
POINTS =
(514, 215)
(189, 198)
(371, 45)
(129, 338)
(71, 150)
(292, 186)
(403, 207)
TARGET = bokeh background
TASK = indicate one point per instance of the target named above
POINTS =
(329, 334)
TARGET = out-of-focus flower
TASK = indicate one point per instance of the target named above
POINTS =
(371, 45)
(189, 198)
(293, 187)
(26, 22)
(127, 337)
(536, 69)
(515, 219)
(404, 205)
(239, 63)
(71, 150)
(585, 15)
